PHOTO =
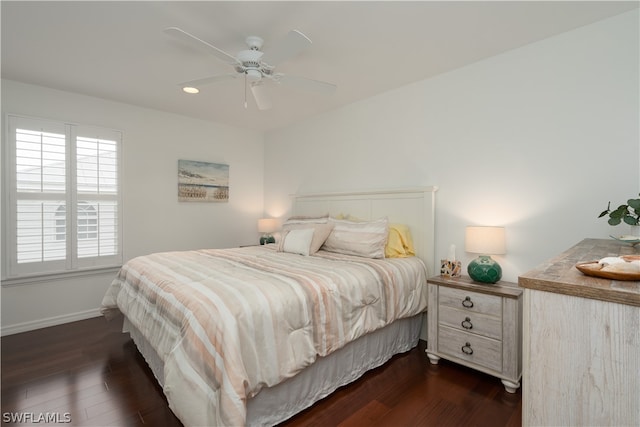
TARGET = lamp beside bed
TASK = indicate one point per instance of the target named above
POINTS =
(266, 226)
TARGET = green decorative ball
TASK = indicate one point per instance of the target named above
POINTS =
(484, 269)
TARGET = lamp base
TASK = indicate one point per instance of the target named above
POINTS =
(484, 269)
(267, 239)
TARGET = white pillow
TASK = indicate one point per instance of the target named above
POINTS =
(365, 239)
(320, 233)
(298, 241)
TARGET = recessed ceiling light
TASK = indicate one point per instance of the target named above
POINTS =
(189, 89)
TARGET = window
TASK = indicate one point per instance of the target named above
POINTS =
(87, 222)
(64, 209)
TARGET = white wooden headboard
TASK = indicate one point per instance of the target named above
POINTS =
(414, 207)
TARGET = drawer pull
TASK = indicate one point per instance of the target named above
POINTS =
(466, 323)
(466, 349)
(467, 302)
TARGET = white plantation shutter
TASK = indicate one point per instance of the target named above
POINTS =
(97, 193)
(39, 197)
(64, 208)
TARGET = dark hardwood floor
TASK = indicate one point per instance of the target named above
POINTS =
(88, 373)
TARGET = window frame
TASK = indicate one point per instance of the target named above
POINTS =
(72, 263)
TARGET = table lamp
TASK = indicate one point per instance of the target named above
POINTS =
(485, 241)
(266, 226)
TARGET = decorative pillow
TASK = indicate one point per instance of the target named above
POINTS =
(348, 217)
(320, 233)
(399, 243)
(366, 239)
(296, 241)
(322, 219)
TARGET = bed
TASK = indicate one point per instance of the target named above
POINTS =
(254, 335)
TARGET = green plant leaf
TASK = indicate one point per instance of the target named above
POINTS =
(619, 212)
(614, 221)
(635, 204)
(603, 213)
(630, 220)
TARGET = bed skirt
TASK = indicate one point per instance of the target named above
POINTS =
(273, 405)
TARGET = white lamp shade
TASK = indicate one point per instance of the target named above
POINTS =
(485, 240)
(267, 225)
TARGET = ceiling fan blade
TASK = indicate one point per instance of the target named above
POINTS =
(292, 44)
(208, 80)
(307, 84)
(261, 96)
(201, 44)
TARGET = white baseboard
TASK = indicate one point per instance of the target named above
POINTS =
(50, 321)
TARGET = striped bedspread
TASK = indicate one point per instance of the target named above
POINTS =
(229, 322)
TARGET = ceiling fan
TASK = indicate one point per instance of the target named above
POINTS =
(257, 67)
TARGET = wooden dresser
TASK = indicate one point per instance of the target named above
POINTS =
(581, 342)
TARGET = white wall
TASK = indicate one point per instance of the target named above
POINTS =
(154, 221)
(537, 139)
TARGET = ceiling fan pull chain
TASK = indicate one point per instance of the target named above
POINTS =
(245, 90)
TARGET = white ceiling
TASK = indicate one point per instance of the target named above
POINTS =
(118, 51)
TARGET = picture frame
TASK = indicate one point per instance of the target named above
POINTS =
(203, 181)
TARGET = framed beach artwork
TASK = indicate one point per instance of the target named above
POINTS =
(202, 181)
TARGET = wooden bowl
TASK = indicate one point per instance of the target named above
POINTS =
(594, 269)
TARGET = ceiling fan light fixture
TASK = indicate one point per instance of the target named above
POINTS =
(189, 89)
(253, 75)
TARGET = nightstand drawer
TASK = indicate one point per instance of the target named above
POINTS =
(481, 351)
(471, 301)
(475, 323)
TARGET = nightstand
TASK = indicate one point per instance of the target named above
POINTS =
(477, 325)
